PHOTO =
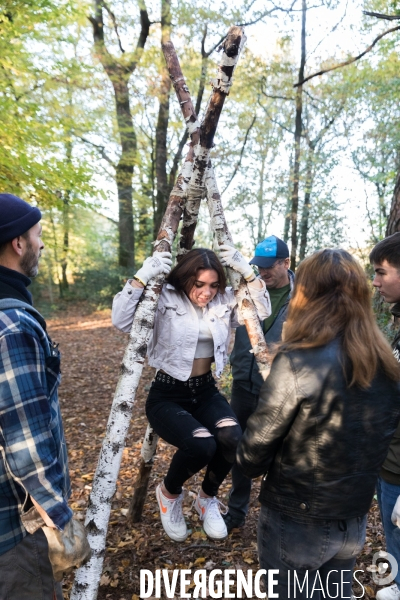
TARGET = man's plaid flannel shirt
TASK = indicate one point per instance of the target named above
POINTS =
(33, 455)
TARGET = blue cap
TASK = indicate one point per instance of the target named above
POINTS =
(16, 217)
(269, 251)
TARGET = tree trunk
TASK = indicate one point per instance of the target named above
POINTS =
(393, 224)
(381, 189)
(65, 227)
(307, 202)
(163, 186)
(297, 141)
(64, 262)
(119, 71)
(286, 227)
(260, 202)
(141, 484)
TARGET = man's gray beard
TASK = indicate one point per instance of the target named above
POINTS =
(30, 261)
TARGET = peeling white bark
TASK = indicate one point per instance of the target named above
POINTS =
(224, 81)
(104, 483)
(191, 127)
(245, 303)
(149, 445)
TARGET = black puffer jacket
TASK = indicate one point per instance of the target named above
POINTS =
(321, 442)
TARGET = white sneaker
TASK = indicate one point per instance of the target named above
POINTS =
(213, 523)
(171, 516)
(389, 593)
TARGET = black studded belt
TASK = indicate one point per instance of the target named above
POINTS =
(192, 382)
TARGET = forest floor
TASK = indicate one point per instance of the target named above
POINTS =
(92, 351)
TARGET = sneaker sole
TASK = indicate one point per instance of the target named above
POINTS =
(214, 537)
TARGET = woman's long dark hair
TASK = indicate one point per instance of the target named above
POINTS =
(184, 274)
(331, 298)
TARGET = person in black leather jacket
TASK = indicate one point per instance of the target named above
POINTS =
(322, 428)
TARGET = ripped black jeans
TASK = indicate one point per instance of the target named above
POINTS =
(191, 415)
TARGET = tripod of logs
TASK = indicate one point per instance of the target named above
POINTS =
(195, 182)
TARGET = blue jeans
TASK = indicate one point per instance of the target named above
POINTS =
(243, 404)
(309, 553)
(387, 496)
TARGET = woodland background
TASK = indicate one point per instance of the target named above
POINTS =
(91, 132)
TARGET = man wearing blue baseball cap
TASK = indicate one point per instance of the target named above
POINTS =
(272, 260)
(39, 539)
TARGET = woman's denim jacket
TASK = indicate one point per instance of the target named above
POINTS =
(176, 327)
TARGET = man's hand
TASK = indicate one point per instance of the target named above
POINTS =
(67, 549)
(396, 513)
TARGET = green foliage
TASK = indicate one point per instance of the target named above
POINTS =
(93, 273)
(39, 76)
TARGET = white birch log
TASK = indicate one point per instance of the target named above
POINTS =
(87, 577)
(232, 47)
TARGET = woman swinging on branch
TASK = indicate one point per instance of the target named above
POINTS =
(191, 330)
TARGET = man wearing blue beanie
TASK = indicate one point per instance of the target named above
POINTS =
(272, 261)
(35, 518)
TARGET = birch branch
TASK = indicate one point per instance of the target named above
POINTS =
(232, 45)
(194, 196)
(104, 484)
(246, 305)
(201, 144)
(221, 86)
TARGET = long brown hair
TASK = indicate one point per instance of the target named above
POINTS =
(184, 274)
(331, 299)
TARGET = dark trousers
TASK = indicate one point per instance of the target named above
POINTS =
(180, 413)
(26, 573)
(309, 553)
(243, 404)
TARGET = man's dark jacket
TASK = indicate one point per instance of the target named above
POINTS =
(244, 367)
(391, 467)
(320, 442)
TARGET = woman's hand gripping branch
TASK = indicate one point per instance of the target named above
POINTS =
(230, 257)
(159, 263)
